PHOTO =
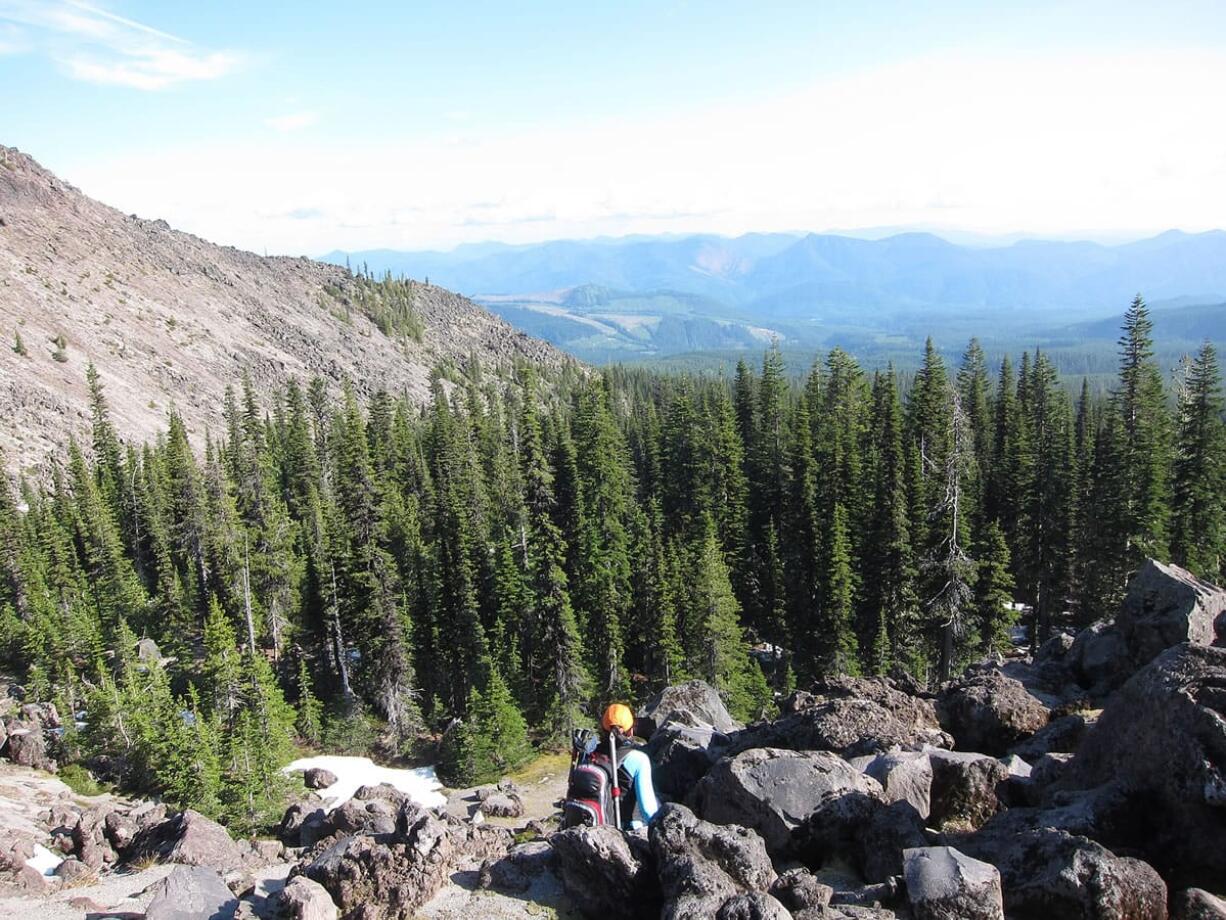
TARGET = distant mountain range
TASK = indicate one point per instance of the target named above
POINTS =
(647, 297)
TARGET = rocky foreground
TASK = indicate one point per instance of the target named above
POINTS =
(1086, 782)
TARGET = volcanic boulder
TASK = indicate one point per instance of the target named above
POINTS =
(772, 791)
(943, 884)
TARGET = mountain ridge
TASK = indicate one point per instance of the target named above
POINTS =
(170, 320)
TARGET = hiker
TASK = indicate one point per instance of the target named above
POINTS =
(634, 766)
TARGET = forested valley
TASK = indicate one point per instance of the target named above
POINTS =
(466, 582)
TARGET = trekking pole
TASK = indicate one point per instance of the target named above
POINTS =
(617, 792)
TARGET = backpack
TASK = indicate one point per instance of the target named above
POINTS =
(589, 785)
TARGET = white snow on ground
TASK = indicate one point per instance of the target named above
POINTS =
(44, 860)
(419, 784)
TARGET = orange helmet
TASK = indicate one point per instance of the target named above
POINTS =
(618, 716)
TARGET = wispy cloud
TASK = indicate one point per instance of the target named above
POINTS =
(93, 44)
(293, 121)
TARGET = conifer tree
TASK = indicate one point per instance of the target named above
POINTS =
(1198, 525)
(994, 592)
(720, 653)
(1140, 403)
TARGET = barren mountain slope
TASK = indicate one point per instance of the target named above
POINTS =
(170, 319)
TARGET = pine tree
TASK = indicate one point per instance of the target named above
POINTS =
(890, 618)
(719, 649)
(310, 710)
(1144, 428)
(994, 613)
(1198, 520)
(555, 657)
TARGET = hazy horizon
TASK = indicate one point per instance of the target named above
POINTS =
(427, 127)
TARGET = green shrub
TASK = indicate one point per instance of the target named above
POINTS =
(80, 781)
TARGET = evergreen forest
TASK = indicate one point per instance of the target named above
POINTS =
(463, 583)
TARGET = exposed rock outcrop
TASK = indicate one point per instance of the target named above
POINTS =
(1163, 739)
(772, 791)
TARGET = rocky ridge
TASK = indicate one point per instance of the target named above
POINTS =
(169, 319)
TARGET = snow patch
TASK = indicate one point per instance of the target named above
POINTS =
(419, 784)
(44, 860)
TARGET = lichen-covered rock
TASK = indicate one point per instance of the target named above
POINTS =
(905, 776)
(1197, 904)
(989, 713)
(772, 791)
(704, 868)
(607, 873)
(847, 727)
(918, 712)
(944, 884)
(1052, 874)
(695, 703)
(964, 787)
(1162, 737)
(399, 871)
(503, 805)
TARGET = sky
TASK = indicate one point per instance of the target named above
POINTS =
(304, 127)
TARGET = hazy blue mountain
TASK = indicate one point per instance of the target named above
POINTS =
(648, 297)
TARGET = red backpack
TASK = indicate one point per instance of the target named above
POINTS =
(589, 786)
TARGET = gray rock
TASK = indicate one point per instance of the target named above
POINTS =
(188, 838)
(1059, 736)
(706, 868)
(681, 755)
(27, 746)
(905, 776)
(1099, 658)
(943, 884)
(917, 712)
(1162, 737)
(303, 899)
(772, 791)
(863, 831)
(318, 778)
(1197, 904)
(1016, 766)
(964, 787)
(191, 893)
(516, 870)
(990, 713)
(694, 703)
(1166, 606)
(303, 824)
(1056, 875)
(1049, 768)
(503, 805)
(73, 871)
(755, 905)
(799, 889)
(402, 870)
(847, 727)
(147, 650)
(607, 873)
